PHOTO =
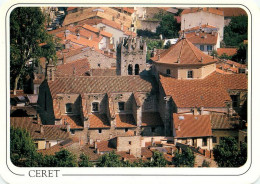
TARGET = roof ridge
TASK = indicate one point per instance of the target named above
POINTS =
(192, 49)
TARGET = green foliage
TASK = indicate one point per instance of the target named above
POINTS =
(240, 56)
(110, 159)
(27, 32)
(225, 56)
(147, 34)
(214, 53)
(236, 32)
(151, 44)
(227, 154)
(64, 158)
(168, 27)
(84, 161)
(184, 159)
(205, 163)
(158, 160)
(167, 45)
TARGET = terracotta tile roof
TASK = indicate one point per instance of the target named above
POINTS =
(85, 84)
(168, 157)
(127, 9)
(222, 72)
(229, 12)
(209, 10)
(71, 8)
(56, 108)
(147, 153)
(151, 119)
(229, 66)
(75, 121)
(98, 121)
(96, 30)
(227, 51)
(105, 146)
(125, 121)
(202, 38)
(93, 156)
(184, 52)
(211, 91)
(51, 132)
(78, 67)
(222, 121)
(192, 125)
(199, 27)
(103, 72)
(126, 156)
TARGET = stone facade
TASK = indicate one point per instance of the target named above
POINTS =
(131, 57)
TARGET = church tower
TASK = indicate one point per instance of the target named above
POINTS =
(131, 56)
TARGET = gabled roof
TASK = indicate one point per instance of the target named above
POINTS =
(227, 51)
(51, 132)
(125, 121)
(199, 27)
(202, 38)
(229, 12)
(211, 91)
(222, 121)
(208, 10)
(183, 53)
(192, 125)
(101, 84)
(98, 121)
(74, 121)
(78, 67)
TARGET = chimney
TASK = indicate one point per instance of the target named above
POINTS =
(122, 27)
(201, 59)
(179, 127)
(38, 119)
(95, 145)
(201, 110)
(68, 127)
(41, 129)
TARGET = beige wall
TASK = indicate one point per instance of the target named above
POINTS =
(198, 142)
(223, 133)
(94, 134)
(41, 144)
(69, 98)
(132, 144)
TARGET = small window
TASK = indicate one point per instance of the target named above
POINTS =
(204, 141)
(69, 108)
(214, 139)
(95, 107)
(99, 131)
(168, 72)
(202, 47)
(234, 100)
(121, 106)
(153, 129)
(126, 129)
(72, 132)
(190, 74)
(209, 47)
(130, 142)
(98, 64)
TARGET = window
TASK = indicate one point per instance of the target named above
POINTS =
(98, 64)
(153, 129)
(130, 69)
(204, 141)
(69, 108)
(99, 131)
(209, 47)
(214, 139)
(126, 129)
(202, 47)
(95, 107)
(121, 106)
(190, 74)
(136, 69)
(168, 72)
(234, 100)
(130, 142)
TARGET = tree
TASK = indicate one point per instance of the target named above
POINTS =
(64, 158)
(225, 56)
(240, 56)
(168, 27)
(110, 159)
(27, 33)
(158, 160)
(227, 154)
(22, 149)
(84, 161)
(185, 158)
(236, 32)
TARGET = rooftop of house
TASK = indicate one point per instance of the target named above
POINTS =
(74, 121)
(202, 38)
(125, 121)
(105, 146)
(229, 12)
(102, 12)
(97, 120)
(201, 27)
(50, 132)
(24, 111)
(211, 91)
(183, 53)
(222, 122)
(192, 125)
(208, 10)
(103, 72)
(78, 67)
(230, 66)
(101, 84)
(227, 51)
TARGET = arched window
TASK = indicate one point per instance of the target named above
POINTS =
(130, 69)
(136, 69)
(190, 74)
(68, 108)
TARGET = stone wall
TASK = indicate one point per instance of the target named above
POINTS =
(132, 144)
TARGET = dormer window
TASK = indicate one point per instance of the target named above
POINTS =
(121, 106)
(69, 108)
(95, 106)
(190, 74)
(168, 71)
